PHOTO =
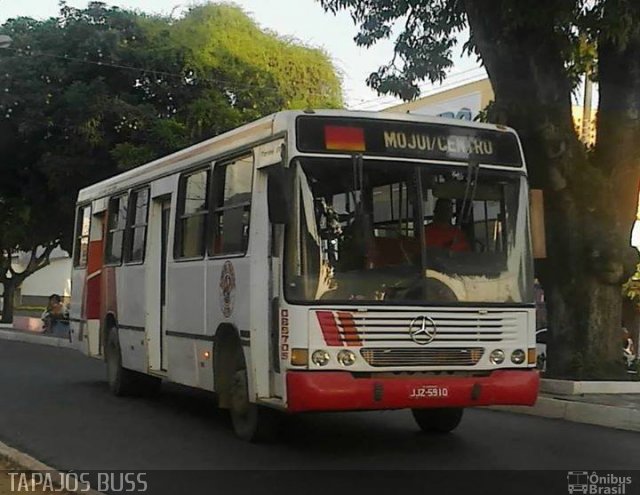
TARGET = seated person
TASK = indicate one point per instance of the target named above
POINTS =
(440, 233)
(56, 316)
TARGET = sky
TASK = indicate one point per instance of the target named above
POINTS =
(302, 19)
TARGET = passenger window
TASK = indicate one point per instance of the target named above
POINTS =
(137, 225)
(117, 222)
(233, 182)
(82, 237)
(193, 210)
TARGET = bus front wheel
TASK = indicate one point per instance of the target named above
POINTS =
(251, 422)
(439, 420)
(123, 381)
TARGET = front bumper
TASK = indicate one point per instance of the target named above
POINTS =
(341, 391)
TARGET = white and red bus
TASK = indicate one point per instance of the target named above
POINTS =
(317, 261)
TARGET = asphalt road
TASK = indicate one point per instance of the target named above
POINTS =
(55, 405)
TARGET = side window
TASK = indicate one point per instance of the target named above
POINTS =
(81, 248)
(232, 185)
(193, 207)
(137, 225)
(117, 221)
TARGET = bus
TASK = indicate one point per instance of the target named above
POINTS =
(318, 260)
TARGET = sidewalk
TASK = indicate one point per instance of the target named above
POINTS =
(619, 410)
(13, 460)
(7, 332)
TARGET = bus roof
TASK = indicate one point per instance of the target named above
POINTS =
(250, 133)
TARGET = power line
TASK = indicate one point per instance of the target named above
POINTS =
(366, 104)
(387, 99)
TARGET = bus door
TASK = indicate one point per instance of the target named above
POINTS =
(156, 283)
(265, 272)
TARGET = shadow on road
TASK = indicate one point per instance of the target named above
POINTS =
(321, 433)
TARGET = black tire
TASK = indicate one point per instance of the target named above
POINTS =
(540, 362)
(122, 381)
(440, 420)
(251, 422)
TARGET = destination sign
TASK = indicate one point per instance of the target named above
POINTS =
(316, 134)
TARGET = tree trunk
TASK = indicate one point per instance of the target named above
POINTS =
(11, 280)
(617, 153)
(8, 300)
(580, 279)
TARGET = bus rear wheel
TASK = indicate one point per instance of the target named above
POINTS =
(439, 420)
(122, 381)
(251, 422)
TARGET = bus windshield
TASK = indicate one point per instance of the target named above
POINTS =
(384, 232)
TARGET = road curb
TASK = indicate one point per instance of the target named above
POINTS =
(551, 386)
(622, 418)
(18, 336)
(28, 463)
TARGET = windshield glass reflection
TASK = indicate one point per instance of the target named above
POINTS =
(395, 233)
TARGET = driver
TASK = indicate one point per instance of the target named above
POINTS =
(440, 233)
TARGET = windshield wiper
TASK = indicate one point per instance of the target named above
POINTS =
(471, 187)
(470, 190)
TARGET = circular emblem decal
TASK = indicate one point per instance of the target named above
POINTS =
(227, 289)
(422, 330)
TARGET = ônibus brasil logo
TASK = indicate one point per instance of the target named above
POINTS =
(592, 483)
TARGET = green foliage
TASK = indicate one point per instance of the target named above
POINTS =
(423, 48)
(425, 31)
(97, 90)
(631, 289)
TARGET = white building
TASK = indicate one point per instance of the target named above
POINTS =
(465, 102)
(52, 279)
(461, 102)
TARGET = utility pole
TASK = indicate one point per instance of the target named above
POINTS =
(586, 107)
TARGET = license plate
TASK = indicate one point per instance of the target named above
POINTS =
(429, 392)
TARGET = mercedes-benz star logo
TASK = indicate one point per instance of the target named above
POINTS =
(422, 330)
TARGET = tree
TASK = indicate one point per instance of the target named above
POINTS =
(533, 53)
(94, 91)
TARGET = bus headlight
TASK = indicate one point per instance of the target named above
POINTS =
(320, 358)
(518, 356)
(346, 358)
(496, 356)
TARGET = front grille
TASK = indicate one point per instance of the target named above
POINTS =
(443, 356)
(380, 328)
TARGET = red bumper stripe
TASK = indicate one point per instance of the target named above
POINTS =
(340, 391)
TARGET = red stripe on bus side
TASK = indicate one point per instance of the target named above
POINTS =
(93, 301)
